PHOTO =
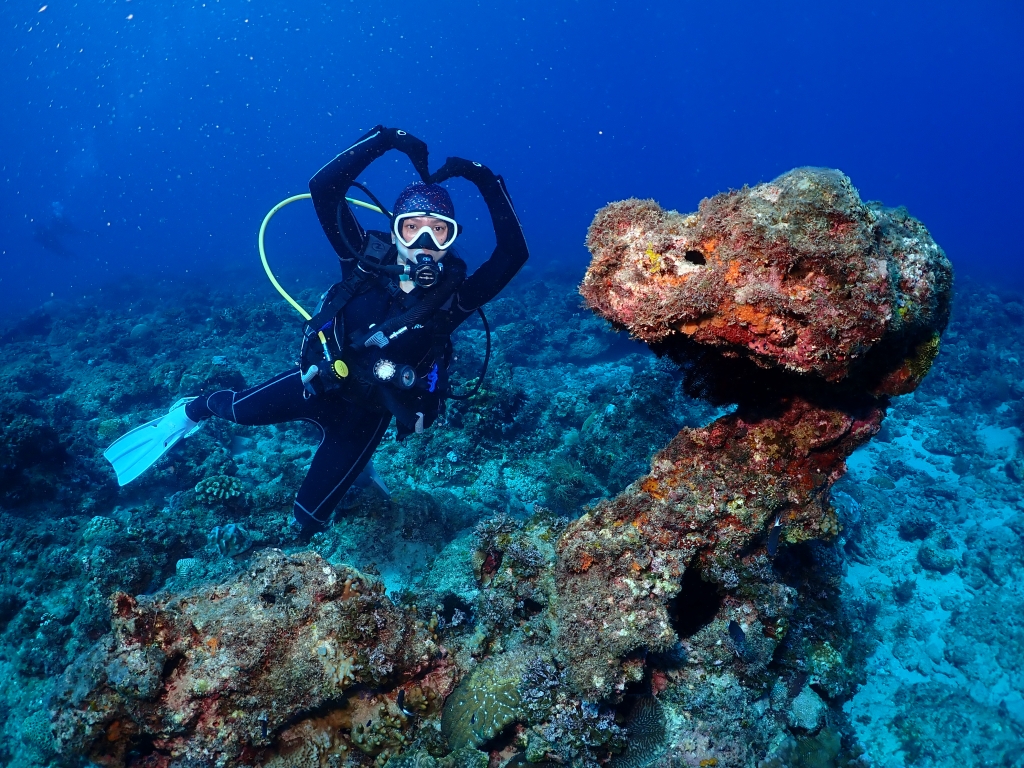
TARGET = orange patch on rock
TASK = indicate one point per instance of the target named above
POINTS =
(650, 485)
(733, 273)
(752, 316)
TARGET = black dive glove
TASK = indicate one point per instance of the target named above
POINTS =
(405, 142)
(467, 169)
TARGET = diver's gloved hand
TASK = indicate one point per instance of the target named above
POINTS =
(466, 169)
(414, 148)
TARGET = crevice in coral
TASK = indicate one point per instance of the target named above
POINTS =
(695, 606)
(142, 749)
(501, 740)
(531, 607)
(452, 604)
(171, 665)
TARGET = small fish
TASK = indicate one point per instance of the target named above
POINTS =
(263, 723)
(739, 637)
(401, 704)
(773, 536)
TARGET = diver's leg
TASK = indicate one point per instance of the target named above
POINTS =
(281, 398)
(350, 436)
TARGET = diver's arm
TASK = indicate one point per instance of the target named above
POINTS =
(331, 183)
(511, 251)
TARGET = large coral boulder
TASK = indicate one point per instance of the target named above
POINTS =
(797, 273)
(804, 308)
(213, 677)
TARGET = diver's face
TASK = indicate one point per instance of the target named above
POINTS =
(413, 225)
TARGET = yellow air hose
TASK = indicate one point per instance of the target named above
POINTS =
(263, 253)
(339, 367)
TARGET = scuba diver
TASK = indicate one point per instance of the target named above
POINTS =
(379, 344)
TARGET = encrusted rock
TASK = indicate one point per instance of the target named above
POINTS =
(806, 711)
(806, 309)
(186, 674)
(796, 273)
(934, 557)
(100, 529)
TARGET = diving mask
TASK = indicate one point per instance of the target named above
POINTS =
(437, 234)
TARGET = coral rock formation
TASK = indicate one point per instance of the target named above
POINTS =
(797, 273)
(804, 307)
(198, 684)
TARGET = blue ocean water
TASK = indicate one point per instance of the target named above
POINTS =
(166, 130)
(140, 147)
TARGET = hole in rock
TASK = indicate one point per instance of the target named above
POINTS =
(800, 271)
(695, 257)
(143, 750)
(268, 598)
(532, 607)
(803, 565)
(695, 606)
(453, 603)
(502, 741)
(172, 663)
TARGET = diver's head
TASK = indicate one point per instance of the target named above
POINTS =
(424, 223)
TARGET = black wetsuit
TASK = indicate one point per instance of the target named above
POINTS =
(353, 418)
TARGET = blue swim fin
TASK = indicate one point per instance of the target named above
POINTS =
(371, 471)
(138, 450)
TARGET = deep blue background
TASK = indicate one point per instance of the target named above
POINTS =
(167, 129)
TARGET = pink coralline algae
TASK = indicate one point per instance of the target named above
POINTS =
(807, 309)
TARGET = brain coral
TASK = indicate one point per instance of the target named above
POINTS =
(646, 735)
(484, 703)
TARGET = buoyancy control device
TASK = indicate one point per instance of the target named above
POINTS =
(323, 337)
